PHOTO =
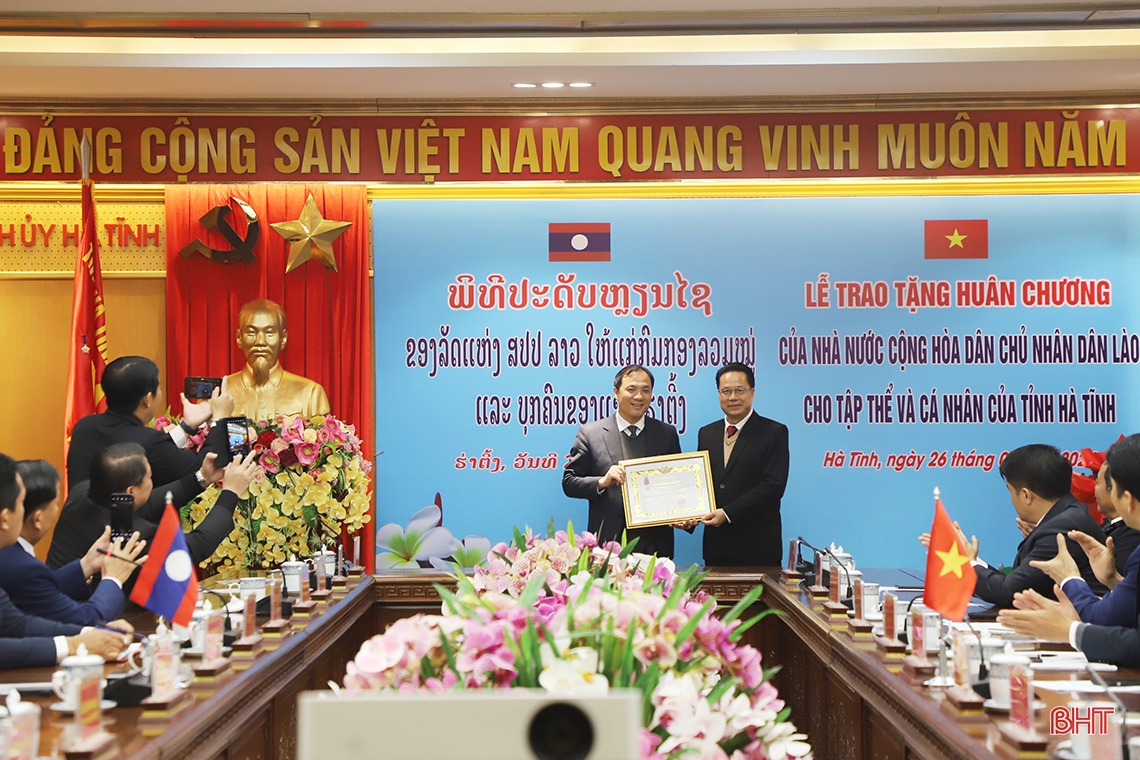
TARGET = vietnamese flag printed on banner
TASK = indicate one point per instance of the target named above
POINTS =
(957, 239)
(950, 578)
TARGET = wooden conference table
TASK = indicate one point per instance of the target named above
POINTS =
(840, 693)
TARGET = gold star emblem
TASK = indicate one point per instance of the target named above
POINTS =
(956, 239)
(311, 236)
(952, 561)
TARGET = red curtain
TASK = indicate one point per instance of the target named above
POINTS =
(329, 313)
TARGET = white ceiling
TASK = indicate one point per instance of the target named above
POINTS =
(59, 50)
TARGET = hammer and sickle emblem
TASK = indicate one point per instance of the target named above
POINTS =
(215, 219)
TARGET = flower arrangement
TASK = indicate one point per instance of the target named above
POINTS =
(424, 542)
(565, 614)
(316, 484)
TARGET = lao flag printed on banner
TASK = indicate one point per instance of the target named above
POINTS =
(167, 584)
(957, 239)
(580, 242)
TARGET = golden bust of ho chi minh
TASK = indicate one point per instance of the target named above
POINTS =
(263, 389)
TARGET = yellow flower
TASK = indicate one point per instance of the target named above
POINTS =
(282, 479)
(335, 461)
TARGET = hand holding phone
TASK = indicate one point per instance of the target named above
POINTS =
(122, 516)
(199, 388)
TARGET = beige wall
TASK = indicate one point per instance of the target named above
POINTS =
(35, 326)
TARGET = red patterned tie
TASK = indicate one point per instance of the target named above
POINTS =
(730, 430)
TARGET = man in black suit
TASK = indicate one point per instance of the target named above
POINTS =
(749, 458)
(1038, 479)
(1058, 620)
(27, 641)
(593, 472)
(134, 398)
(124, 468)
(1122, 539)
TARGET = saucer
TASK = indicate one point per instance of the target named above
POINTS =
(62, 707)
(992, 706)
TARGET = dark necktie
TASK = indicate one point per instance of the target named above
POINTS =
(631, 431)
(730, 430)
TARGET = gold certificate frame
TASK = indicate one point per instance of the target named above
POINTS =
(667, 489)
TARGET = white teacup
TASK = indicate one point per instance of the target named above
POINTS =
(292, 572)
(65, 684)
(251, 586)
(999, 667)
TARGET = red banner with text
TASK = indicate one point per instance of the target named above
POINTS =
(603, 147)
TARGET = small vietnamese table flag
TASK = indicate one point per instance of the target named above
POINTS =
(167, 584)
(950, 578)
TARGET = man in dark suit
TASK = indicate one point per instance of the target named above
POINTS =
(124, 468)
(63, 594)
(749, 459)
(593, 472)
(134, 398)
(1038, 479)
(1041, 618)
(27, 641)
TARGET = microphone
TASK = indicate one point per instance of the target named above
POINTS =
(829, 553)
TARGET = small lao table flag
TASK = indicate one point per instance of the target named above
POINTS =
(950, 578)
(957, 239)
(167, 584)
(580, 242)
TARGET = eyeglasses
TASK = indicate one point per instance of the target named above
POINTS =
(728, 392)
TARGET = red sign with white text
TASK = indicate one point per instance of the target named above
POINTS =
(622, 147)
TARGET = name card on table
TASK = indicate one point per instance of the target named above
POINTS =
(793, 555)
(320, 570)
(275, 585)
(303, 574)
(1021, 695)
(961, 641)
(249, 617)
(917, 632)
(834, 589)
(214, 634)
(89, 716)
(890, 622)
(857, 595)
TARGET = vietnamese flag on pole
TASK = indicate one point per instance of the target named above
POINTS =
(957, 239)
(950, 578)
(87, 354)
(167, 584)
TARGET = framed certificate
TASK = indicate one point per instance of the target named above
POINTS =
(667, 489)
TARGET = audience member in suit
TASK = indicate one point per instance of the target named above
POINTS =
(593, 472)
(63, 594)
(748, 455)
(124, 468)
(1038, 479)
(1059, 620)
(1122, 540)
(134, 398)
(27, 641)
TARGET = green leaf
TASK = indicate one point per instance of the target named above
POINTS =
(451, 600)
(740, 629)
(530, 594)
(674, 597)
(648, 684)
(767, 673)
(740, 741)
(739, 608)
(449, 653)
(627, 548)
(649, 573)
(570, 537)
(688, 628)
(426, 670)
(520, 540)
(626, 665)
(550, 531)
(783, 714)
(722, 687)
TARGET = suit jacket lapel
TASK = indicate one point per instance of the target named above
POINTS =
(610, 438)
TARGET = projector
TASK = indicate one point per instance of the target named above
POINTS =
(504, 724)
